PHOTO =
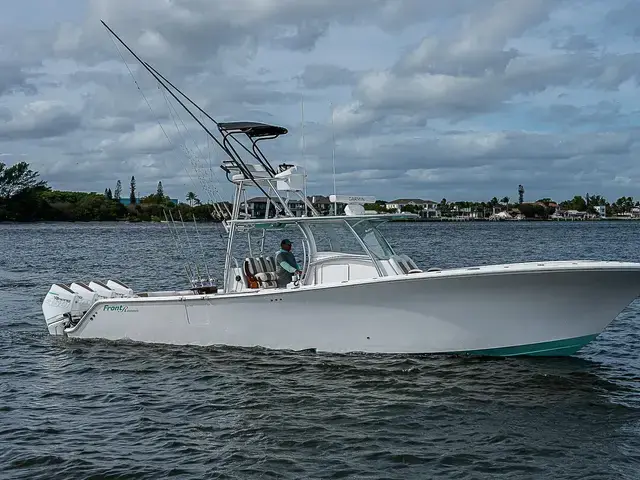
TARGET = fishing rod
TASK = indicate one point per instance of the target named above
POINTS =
(182, 93)
(254, 155)
(161, 83)
(239, 164)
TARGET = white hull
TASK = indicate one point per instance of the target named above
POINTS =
(550, 308)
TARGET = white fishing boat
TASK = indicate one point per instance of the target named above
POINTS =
(356, 292)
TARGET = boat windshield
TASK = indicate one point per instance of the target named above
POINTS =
(348, 236)
(356, 236)
(373, 239)
(336, 237)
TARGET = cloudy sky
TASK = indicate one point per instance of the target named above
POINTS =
(462, 99)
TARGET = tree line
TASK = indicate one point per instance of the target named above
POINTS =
(542, 208)
(157, 198)
(24, 197)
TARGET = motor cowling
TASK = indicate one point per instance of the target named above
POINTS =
(102, 290)
(87, 296)
(121, 289)
(60, 306)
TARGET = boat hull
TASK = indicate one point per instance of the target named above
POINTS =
(519, 309)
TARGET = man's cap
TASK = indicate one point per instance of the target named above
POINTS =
(286, 241)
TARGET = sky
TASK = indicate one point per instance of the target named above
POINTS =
(462, 99)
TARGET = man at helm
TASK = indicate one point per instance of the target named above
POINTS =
(286, 264)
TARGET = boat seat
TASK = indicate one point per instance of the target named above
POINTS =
(260, 272)
(267, 279)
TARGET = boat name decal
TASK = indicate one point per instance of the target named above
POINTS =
(116, 308)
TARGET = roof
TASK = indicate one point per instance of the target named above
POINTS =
(320, 199)
(417, 201)
(253, 129)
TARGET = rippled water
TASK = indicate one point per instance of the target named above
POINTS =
(92, 409)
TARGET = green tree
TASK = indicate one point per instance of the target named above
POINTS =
(109, 194)
(623, 205)
(411, 209)
(444, 206)
(377, 206)
(597, 200)
(192, 198)
(533, 210)
(578, 203)
(17, 179)
(118, 191)
(132, 191)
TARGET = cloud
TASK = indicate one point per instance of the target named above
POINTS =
(141, 141)
(13, 79)
(458, 99)
(327, 75)
(626, 16)
(40, 119)
(577, 43)
(505, 149)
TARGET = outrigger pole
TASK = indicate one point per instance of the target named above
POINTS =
(161, 79)
(268, 166)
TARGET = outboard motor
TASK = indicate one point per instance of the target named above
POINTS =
(60, 306)
(101, 290)
(87, 296)
(120, 289)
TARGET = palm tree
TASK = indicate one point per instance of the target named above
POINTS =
(443, 206)
(192, 198)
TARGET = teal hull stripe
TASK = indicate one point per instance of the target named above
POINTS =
(556, 348)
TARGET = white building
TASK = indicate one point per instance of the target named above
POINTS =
(601, 211)
(428, 208)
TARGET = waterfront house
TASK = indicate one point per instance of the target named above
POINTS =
(426, 208)
(398, 204)
(257, 206)
(601, 211)
(321, 204)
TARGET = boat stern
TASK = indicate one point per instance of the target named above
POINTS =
(64, 305)
(60, 306)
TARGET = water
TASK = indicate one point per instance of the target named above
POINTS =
(116, 410)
